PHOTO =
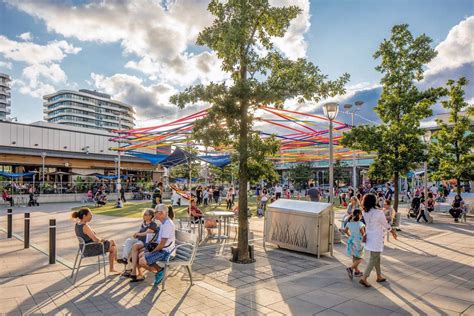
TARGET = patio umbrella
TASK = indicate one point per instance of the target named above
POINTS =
(61, 174)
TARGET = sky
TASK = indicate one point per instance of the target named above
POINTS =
(143, 51)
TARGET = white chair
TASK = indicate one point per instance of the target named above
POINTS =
(80, 254)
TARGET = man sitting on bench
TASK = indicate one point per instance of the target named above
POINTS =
(155, 251)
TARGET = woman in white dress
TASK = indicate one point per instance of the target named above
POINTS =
(375, 225)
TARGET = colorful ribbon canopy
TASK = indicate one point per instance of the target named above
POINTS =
(304, 137)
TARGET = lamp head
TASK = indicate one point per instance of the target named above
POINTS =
(347, 106)
(359, 104)
(43, 155)
(427, 136)
(330, 110)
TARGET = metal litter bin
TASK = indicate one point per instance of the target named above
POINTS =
(300, 225)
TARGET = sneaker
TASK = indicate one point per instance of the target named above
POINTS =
(456, 220)
(159, 277)
(358, 274)
(350, 273)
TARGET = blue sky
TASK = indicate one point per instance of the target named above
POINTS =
(141, 54)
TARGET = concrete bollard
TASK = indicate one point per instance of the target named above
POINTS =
(52, 241)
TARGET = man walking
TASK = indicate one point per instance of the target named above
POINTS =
(313, 193)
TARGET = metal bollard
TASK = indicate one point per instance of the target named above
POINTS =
(9, 223)
(52, 241)
(27, 231)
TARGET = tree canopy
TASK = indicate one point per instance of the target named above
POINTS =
(397, 141)
(453, 144)
(241, 37)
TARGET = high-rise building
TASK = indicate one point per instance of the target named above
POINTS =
(5, 94)
(86, 108)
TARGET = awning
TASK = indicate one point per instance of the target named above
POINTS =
(178, 157)
(152, 158)
(218, 161)
(16, 175)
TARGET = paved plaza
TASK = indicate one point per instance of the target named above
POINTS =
(430, 272)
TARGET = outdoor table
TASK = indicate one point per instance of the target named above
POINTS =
(223, 217)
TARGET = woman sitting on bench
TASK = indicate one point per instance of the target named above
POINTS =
(155, 251)
(8, 198)
(457, 208)
(138, 240)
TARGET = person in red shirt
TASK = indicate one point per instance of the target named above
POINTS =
(8, 198)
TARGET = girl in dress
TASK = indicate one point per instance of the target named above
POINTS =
(355, 229)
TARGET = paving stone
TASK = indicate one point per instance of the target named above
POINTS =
(322, 298)
(295, 306)
(446, 302)
(353, 307)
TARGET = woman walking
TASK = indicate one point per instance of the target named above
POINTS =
(355, 229)
(375, 225)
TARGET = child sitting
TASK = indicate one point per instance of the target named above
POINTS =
(355, 229)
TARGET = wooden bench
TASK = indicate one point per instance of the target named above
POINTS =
(186, 248)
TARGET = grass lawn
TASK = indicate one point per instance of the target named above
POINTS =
(135, 209)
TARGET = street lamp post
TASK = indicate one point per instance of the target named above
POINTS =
(426, 139)
(43, 156)
(330, 111)
(347, 107)
(119, 185)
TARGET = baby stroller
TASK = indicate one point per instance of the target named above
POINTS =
(33, 201)
(415, 207)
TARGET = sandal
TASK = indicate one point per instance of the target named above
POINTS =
(381, 280)
(135, 279)
(126, 274)
(364, 283)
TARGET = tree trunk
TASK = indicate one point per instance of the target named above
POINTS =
(396, 178)
(458, 186)
(243, 238)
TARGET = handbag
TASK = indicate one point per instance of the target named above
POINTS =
(151, 246)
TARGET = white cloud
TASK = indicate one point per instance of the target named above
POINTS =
(25, 36)
(456, 50)
(159, 33)
(151, 100)
(38, 79)
(5, 64)
(32, 53)
(293, 44)
(43, 70)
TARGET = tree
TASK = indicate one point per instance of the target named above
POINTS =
(340, 172)
(397, 141)
(452, 145)
(241, 35)
(301, 173)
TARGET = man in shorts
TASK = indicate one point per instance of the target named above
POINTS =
(161, 250)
